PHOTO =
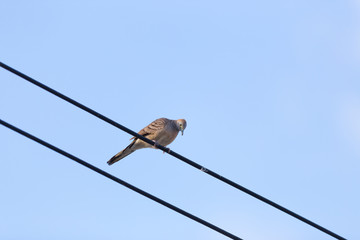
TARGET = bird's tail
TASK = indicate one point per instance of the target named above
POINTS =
(121, 155)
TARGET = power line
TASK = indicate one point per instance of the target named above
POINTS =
(178, 156)
(118, 180)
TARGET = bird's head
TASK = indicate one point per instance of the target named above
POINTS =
(181, 123)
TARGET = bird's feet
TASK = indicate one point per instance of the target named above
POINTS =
(167, 150)
(156, 144)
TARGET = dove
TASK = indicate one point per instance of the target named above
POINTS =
(162, 131)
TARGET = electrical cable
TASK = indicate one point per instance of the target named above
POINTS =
(174, 154)
(118, 180)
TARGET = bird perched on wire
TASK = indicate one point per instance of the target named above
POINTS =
(162, 131)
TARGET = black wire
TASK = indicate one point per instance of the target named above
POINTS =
(180, 157)
(108, 175)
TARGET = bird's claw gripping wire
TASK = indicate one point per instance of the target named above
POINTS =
(156, 145)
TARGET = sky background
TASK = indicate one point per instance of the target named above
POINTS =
(270, 91)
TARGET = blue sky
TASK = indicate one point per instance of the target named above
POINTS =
(270, 91)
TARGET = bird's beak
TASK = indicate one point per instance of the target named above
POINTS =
(182, 130)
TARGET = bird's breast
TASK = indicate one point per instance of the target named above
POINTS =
(167, 138)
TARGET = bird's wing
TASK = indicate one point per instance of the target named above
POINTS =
(153, 128)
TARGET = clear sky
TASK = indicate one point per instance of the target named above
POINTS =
(270, 91)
